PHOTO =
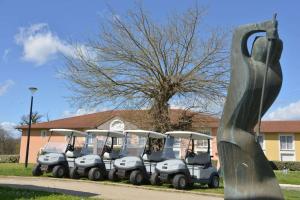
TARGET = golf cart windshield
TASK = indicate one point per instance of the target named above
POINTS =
(56, 147)
(134, 145)
(168, 150)
(183, 144)
(96, 144)
(174, 148)
(63, 140)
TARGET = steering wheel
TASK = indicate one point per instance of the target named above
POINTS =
(190, 153)
(70, 147)
(107, 149)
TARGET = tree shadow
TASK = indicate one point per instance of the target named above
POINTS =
(42, 191)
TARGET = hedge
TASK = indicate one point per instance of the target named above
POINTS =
(9, 158)
(280, 165)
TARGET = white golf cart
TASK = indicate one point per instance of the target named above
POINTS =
(59, 155)
(138, 161)
(99, 155)
(191, 168)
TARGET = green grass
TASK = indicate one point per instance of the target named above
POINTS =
(291, 195)
(293, 177)
(15, 169)
(7, 193)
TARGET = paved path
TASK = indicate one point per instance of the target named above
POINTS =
(100, 190)
(290, 187)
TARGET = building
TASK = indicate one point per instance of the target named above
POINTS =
(280, 140)
(115, 120)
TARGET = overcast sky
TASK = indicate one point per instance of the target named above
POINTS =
(34, 34)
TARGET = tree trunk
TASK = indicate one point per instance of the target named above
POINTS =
(160, 116)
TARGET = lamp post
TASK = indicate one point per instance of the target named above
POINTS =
(32, 90)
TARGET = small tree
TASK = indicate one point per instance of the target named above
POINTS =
(36, 118)
(147, 64)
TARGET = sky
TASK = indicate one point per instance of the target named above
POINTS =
(35, 34)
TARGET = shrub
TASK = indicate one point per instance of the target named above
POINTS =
(291, 165)
(9, 158)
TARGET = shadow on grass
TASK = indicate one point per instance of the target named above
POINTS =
(46, 191)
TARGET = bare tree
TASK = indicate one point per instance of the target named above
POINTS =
(8, 144)
(36, 118)
(139, 61)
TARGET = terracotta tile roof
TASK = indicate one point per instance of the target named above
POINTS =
(280, 126)
(138, 117)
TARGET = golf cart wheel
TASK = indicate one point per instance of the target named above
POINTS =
(154, 179)
(95, 174)
(74, 174)
(36, 171)
(214, 182)
(112, 175)
(180, 182)
(59, 171)
(136, 177)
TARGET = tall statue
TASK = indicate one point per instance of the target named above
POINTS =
(255, 82)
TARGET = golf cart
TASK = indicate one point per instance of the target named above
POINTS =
(59, 155)
(191, 168)
(138, 161)
(99, 156)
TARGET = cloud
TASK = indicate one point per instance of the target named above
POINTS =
(5, 55)
(289, 112)
(80, 111)
(40, 44)
(9, 127)
(5, 86)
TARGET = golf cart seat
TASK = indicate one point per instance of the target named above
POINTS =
(73, 154)
(202, 158)
(111, 156)
(153, 157)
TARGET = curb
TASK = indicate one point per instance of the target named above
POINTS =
(119, 184)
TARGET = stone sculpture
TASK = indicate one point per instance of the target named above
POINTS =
(247, 173)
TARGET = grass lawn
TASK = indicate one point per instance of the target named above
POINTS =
(291, 194)
(20, 194)
(293, 177)
(15, 169)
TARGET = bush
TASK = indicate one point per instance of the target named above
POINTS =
(291, 165)
(9, 158)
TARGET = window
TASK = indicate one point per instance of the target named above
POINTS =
(286, 142)
(287, 152)
(90, 139)
(202, 143)
(287, 157)
(117, 125)
(141, 140)
(177, 142)
(118, 141)
(44, 133)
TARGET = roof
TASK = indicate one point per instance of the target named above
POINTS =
(140, 118)
(280, 126)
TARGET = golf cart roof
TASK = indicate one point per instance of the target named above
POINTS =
(108, 133)
(189, 134)
(145, 133)
(68, 132)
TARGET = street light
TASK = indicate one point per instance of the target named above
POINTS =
(32, 90)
